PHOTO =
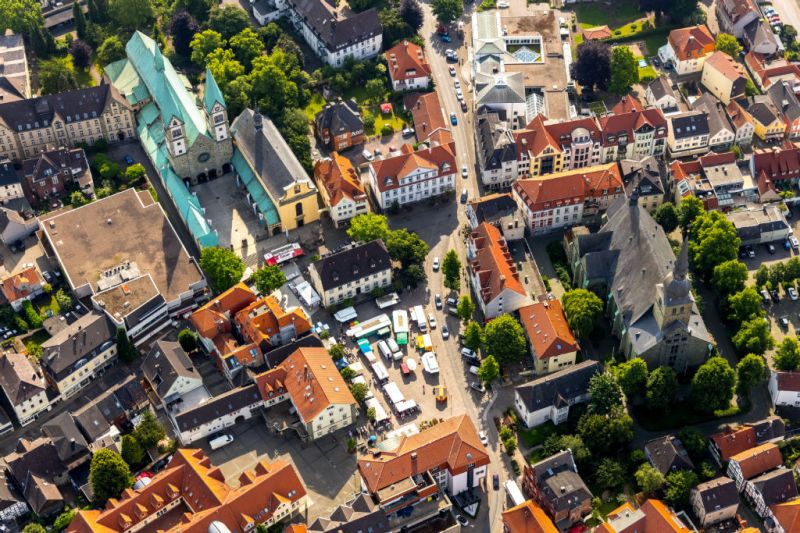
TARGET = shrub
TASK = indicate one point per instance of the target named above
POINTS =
(32, 316)
(386, 130)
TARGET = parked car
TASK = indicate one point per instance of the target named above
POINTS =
(463, 105)
(219, 440)
(464, 196)
(445, 332)
(128, 159)
(452, 301)
(432, 320)
(473, 370)
(484, 438)
(765, 296)
(464, 172)
(750, 252)
(775, 296)
(477, 386)
(452, 70)
(457, 83)
(771, 248)
(784, 322)
(47, 277)
(435, 264)
(463, 522)
(408, 132)
(453, 119)
(451, 310)
(368, 155)
(794, 242)
(438, 301)
(792, 292)
(502, 5)
(495, 482)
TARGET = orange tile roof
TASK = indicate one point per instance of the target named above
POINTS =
(493, 263)
(406, 60)
(539, 134)
(628, 104)
(426, 112)
(547, 329)
(691, 42)
(758, 460)
(527, 518)
(452, 444)
(726, 65)
(569, 187)
(214, 317)
(389, 171)
(597, 33)
(22, 284)
(731, 441)
(206, 497)
(653, 516)
(764, 71)
(738, 115)
(264, 318)
(311, 379)
(787, 514)
(339, 179)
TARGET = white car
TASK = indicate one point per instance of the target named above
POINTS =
(435, 264)
(459, 93)
(456, 83)
(503, 5)
(484, 438)
(792, 293)
(794, 242)
(432, 320)
(464, 173)
(367, 155)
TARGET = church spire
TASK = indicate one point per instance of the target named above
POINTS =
(681, 269)
(676, 283)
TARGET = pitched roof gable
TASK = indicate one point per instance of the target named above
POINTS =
(493, 263)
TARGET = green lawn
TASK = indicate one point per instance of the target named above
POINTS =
(536, 436)
(315, 105)
(597, 14)
(656, 40)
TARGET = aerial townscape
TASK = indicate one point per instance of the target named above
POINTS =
(399, 266)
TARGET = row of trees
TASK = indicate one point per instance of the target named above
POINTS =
(224, 269)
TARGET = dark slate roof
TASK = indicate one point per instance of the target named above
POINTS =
(278, 355)
(356, 516)
(337, 33)
(38, 457)
(689, 124)
(668, 454)
(19, 379)
(267, 152)
(165, 363)
(96, 418)
(67, 438)
(8, 174)
(562, 385)
(776, 486)
(77, 344)
(8, 493)
(496, 143)
(72, 162)
(217, 407)
(785, 99)
(643, 176)
(130, 394)
(72, 106)
(718, 493)
(761, 107)
(769, 429)
(352, 263)
(716, 116)
(661, 87)
(340, 117)
(559, 483)
(494, 207)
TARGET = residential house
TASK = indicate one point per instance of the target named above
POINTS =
(413, 469)
(493, 274)
(660, 94)
(766, 71)
(568, 198)
(527, 517)
(101, 418)
(39, 475)
(715, 501)
(217, 413)
(22, 286)
(10, 183)
(82, 116)
(408, 68)
(554, 484)
(544, 146)
(317, 392)
(132, 265)
(48, 175)
(71, 446)
(734, 15)
(77, 354)
(552, 343)
(768, 489)
(687, 49)
(341, 189)
(767, 119)
(24, 389)
(429, 121)
(339, 126)
(653, 515)
(667, 455)
(550, 397)
(12, 504)
(631, 132)
(169, 372)
(785, 99)
(14, 80)
(742, 122)
(333, 36)
(688, 134)
(721, 134)
(268, 494)
(785, 516)
(723, 77)
(413, 176)
(776, 166)
(360, 513)
(730, 442)
(753, 462)
(760, 225)
(644, 178)
(651, 307)
(784, 389)
(498, 209)
(760, 39)
(496, 150)
(716, 179)
(351, 272)
(263, 157)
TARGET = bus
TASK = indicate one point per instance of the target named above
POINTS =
(283, 254)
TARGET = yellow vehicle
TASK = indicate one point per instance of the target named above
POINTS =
(440, 391)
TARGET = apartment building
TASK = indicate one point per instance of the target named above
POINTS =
(47, 176)
(408, 68)
(341, 189)
(552, 343)
(687, 49)
(339, 126)
(688, 134)
(24, 390)
(352, 272)
(632, 132)
(723, 77)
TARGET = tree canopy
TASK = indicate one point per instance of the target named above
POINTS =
(451, 269)
(744, 305)
(712, 385)
(446, 11)
(109, 475)
(183, 27)
(132, 451)
(473, 336)
(407, 247)
(223, 268)
(111, 50)
(649, 479)
(57, 75)
(787, 355)
(632, 376)
(504, 338)
(605, 394)
(368, 227)
(489, 369)
(21, 16)
(751, 371)
(727, 43)
(606, 434)
(131, 14)
(662, 385)
(228, 20)
(149, 430)
(465, 308)
(412, 14)
(689, 209)
(713, 241)
(203, 43)
(679, 486)
(729, 277)
(624, 70)
(754, 336)
(269, 278)
(667, 216)
(582, 308)
(592, 67)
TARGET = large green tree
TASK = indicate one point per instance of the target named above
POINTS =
(632, 376)
(610, 474)
(228, 20)
(662, 385)
(126, 351)
(695, 443)
(131, 14)
(465, 308)
(489, 369)
(712, 385)
(667, 215)
(729, 277)
(624, 70)
(57, 75)
(183, 27)
(111, 50)
(149, 430)
(649, 479)
(679, 486)
(269, 278)
(787, 355)
(224, 67)
(582, 308)
(745, 305)
(605, 394)
(754, 336)
(222, 267)
(407, 247)
(294, 128)
(446, 11)
(247, 46)
(751, 371)
(713, 240)
(504, 338)
(473, 336)
(132, 451)
(21, 16)
(451, 269)
(368, 227)
(80, 20)
(727, 43)
(203, 43)
(689, 209)
(109, 475)
(606, 434)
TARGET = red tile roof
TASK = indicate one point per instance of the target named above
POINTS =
(426, 112)
(22, 284)
(452, 444)
(691, 42)
(527, 518)
(493, 264)
(569, 187)
(622, 122)
(264, 318)
(653, 516)
(778, 163)
(726, 65)
(628, 104)
(547, 329)
(538, 134)
(731, 441)
(764, 71)
(788, 515)
(214, 317)
(758, 460)
(336, 175)
(597, 33)
(206, 497)
(407, 61)
(389, 171)
(789, 381)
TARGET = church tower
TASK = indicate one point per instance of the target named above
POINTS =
(674, 299)
(215, 109)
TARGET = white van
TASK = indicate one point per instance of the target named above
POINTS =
(384, 349)
(473, 370)
(394, 348)
(220, 440)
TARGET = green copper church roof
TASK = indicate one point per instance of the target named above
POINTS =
(164, 85)
(257, 193)
(212, 94)
(124, 77)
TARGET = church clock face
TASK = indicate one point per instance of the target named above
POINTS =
(205, 156)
